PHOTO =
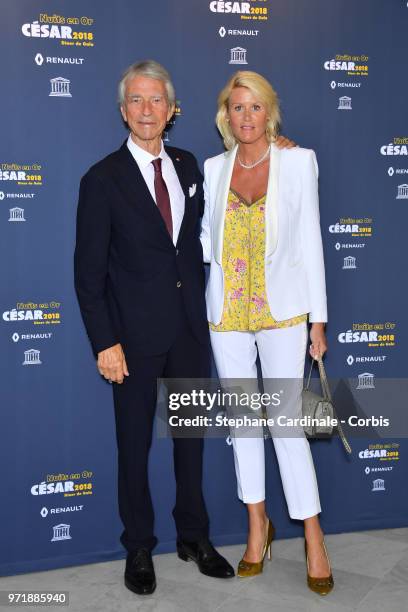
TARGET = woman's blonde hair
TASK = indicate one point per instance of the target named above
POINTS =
(263, 90)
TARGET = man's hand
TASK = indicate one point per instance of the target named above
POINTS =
(319, 342)
(112, 364)
(284, 143)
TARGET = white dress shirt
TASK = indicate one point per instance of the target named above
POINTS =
(177, 199)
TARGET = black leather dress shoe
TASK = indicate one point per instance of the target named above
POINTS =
(139, 573)
(209, 561)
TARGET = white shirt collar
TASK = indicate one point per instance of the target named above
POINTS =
(142, 157)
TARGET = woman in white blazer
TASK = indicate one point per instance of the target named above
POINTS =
(261, 235)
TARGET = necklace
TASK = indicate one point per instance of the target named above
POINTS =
(250, 166)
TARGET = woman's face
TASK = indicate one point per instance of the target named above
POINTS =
(247, 116)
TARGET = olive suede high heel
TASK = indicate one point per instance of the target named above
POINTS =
(323, 585)
(247, 568)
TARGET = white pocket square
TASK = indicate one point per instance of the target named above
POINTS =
(192, 190)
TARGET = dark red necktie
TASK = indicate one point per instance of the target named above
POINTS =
(162, 195)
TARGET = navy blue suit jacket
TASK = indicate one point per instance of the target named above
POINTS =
(131, 281)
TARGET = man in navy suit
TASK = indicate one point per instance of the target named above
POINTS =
(140, 283)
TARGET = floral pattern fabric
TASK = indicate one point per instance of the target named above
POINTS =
(243, 260)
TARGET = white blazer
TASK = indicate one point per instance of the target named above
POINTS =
(294, 266)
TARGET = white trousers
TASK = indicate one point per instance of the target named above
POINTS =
(282, 355)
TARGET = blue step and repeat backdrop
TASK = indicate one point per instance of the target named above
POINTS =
(340, 71)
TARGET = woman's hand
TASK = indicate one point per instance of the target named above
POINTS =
(319, 342)
(284, 143)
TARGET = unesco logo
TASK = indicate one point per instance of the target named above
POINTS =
(344, 103)
(60, 88)
(238, 55)
(16, 214)
(61, 532)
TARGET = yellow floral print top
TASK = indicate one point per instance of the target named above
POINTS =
(243, 260)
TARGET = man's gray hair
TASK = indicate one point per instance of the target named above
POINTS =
(151, 69)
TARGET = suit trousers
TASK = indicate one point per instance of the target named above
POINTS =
(282, 356)
(135, 405)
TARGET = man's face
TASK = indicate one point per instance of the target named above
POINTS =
(146, 110)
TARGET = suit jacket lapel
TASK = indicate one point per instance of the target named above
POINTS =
(179, 166)
(222, 190)
(271, 204)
